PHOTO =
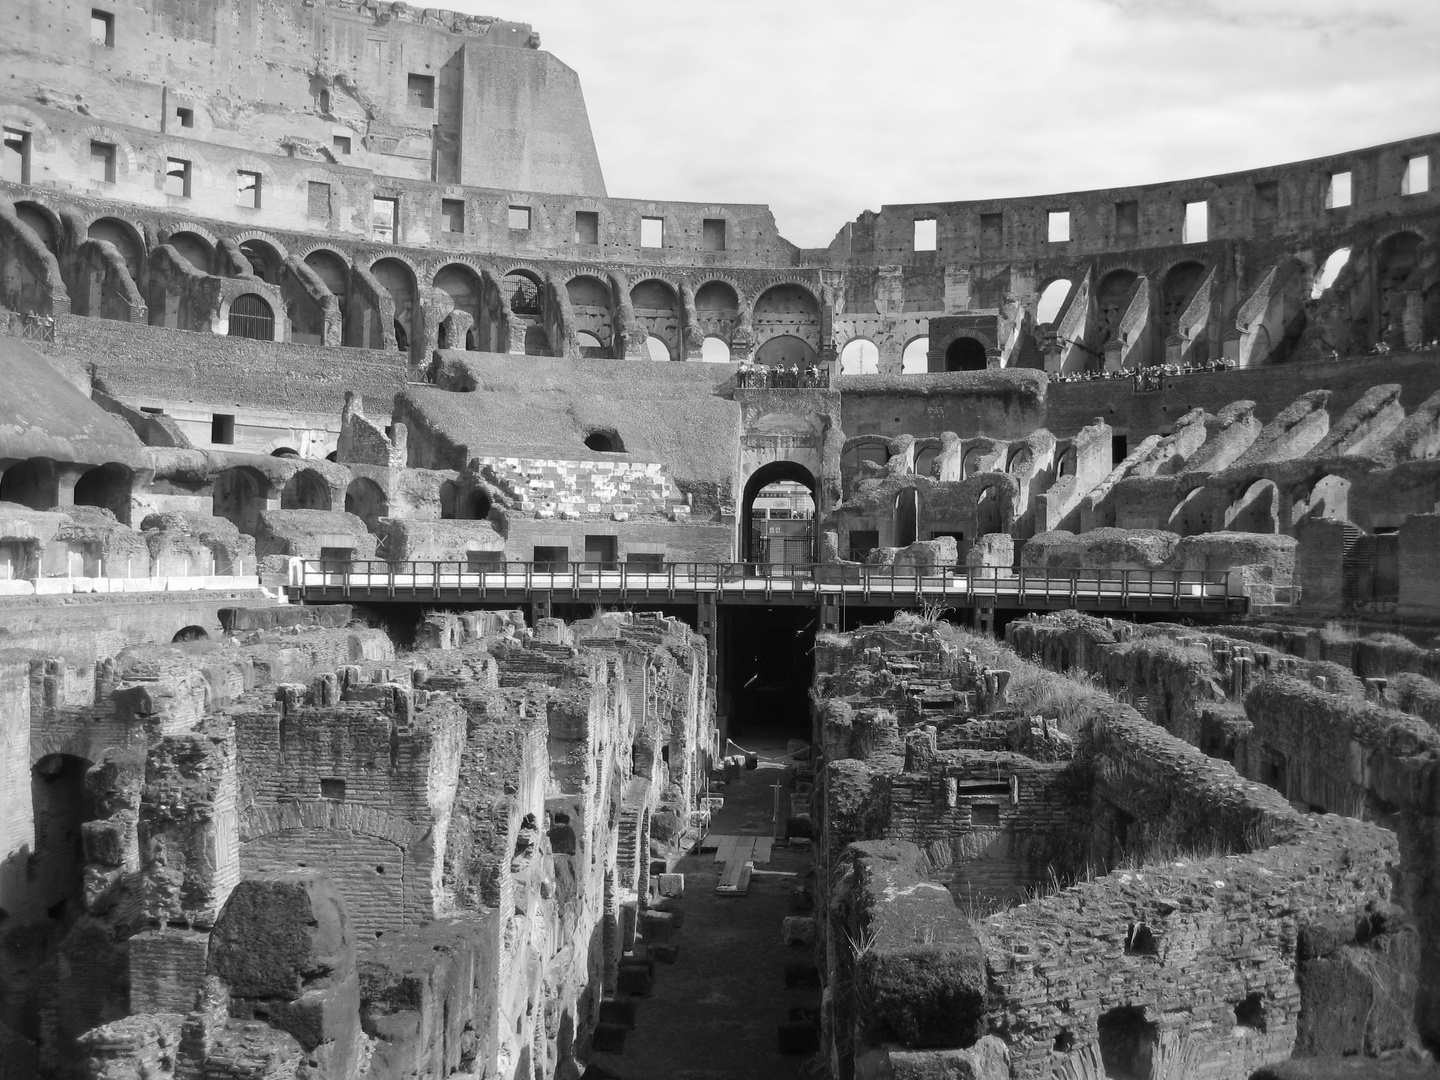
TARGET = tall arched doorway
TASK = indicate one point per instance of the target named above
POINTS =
(778, 517)
(965, 354)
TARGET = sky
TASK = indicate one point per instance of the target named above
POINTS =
(824, 109)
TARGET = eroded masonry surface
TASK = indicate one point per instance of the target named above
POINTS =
(455, 622)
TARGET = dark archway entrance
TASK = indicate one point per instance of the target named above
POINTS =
(796, 535)
(965, 354)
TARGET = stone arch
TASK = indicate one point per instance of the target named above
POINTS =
(715, 350)
(773, 472)
(1177, 289)
(658, 311)
(966, 353)
(263, 237)
(44, 222)
(1051, 301)
(860, 356)
(926, 453)
(1020, 461)
(332, 267)
(126, 237)
(907, 516)
(1112, 297)
(1397, 258)
(397, 277)
(366, 500)
(1190, 516)
(717, 309)
(306, 490)
(240, 495)
(915, 357)
(109, 486)
(194, 249)
(1257, 510)
(787, 309)
(994, 512)
(250, 315)
(785, 350)
(465, 288)
(591, 302)
(64, 803)
(971, 461)
(1326, 497)
(191, 633)
(34, 482)
(265, 259)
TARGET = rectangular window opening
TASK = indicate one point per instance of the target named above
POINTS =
(331, 788)
(420, 91)
(991, 231)
(247, 185)
(924, 235)
(177, 177)
(1127, 219)
(587, 227)
(317, 205)
(712, 234)
(652, 232)
(222, 429)
(600, 553)
(984, 814)
(102, 28)
(102, 162)
(452, 215)
(342, 144)
(385, 219)
(17, 156)
(1337, 191)
(1057, 226)
(185, 117)
(519, 217)
(1267, 200)
(551, 558)
(1197, 223)
(650, 559)
(1416, 180)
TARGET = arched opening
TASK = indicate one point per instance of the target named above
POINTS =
(449, 500)
(907, 516)
(194, 249)
(1067, 462)
(860, 356)
(971, 463)
(717, 310)
(1256, 511)
(1334, 263)
(239, 496)
(1176, 292)
(604, 442)
(1021, 461)
(785, 351)
(44, 224)
(284, 451)
(366, 500)
(109, 486)
(1189, 517)
(788, 310)
(1111, 300)
(589, 345)
(590, 310)
(715, 351)
(915, 360)
(1052, 301)
(1329, 497)
(1128, 1044)
(306, 490)
(191, 633)
(1396, 261)
(479, 505)
(63, 802)
(523, 289)
(463, 286)
(657, 312)
(925, 459)
(264, 260)
(988, 511)
(251, 317)
(126, 240)
(398, 280)
(779, 488)
(34, 483)
(966, 354)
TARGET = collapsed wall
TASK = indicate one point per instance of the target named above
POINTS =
(973, 811)
(298, 852)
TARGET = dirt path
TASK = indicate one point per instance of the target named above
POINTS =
(714, 1012)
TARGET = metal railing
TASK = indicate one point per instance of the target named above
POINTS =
(429, 579)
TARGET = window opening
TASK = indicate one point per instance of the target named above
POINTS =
(222, 429)
(1057, 226)
(991, 231)
(1337, 191)
(17, 156)
(519, 217)
(1197, 223)
(452, 215)
(102, 162)
(713, 234)
(251, 317)
(1417, 175)
(1267, 201)
(102, 28)
(924, 235)
(247, 186)
(1127, 219)
(385, 220)
(177, 177)
(587, 227)
(652, 232)
(420, 91)
(186, 117)
(331, 788)
(318, 200)
(342, 144)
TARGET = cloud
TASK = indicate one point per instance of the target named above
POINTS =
(823, 109)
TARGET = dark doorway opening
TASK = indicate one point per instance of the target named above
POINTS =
(768, 658)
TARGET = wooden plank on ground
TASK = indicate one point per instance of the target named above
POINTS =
(725, 849)
(763, 846)
(735, 881)
(744, 848)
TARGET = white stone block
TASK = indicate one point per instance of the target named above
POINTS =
(54, 586)
(9, 587)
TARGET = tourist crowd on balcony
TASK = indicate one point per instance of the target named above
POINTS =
(779, 377)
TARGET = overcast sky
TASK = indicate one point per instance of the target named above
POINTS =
(824, 109)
